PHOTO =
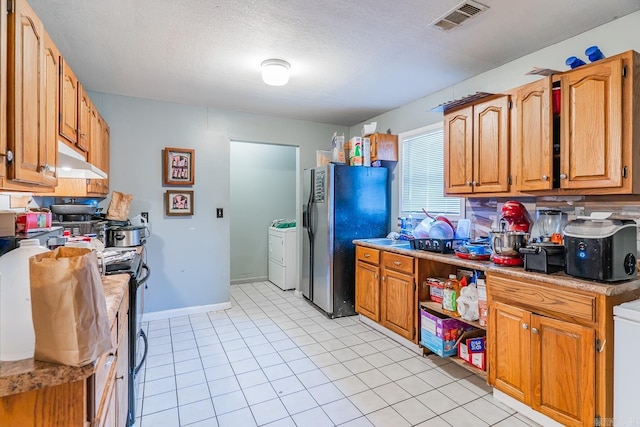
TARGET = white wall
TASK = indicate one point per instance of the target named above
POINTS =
(190, 256)
(263, 188)
(614, 37)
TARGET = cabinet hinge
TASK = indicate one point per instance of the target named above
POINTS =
(597, 421)
(624, 172)
(509, 180)
(600, 345)
(510, 105)
(414, 286)
(10, 6)
(414, 332)
(624, 71)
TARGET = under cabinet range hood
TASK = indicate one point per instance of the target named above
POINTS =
(72, 165)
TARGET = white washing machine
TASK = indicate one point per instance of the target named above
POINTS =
(626, 369)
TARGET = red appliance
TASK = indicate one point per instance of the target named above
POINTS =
(514, 218)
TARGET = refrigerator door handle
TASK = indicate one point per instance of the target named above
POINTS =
(310, 231)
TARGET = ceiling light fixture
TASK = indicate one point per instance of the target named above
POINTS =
(275, 72)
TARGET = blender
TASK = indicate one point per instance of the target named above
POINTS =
(512, 235)
(548, 226)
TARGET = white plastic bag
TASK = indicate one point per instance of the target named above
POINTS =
(467, 303)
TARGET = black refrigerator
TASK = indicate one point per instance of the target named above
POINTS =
(342, 203)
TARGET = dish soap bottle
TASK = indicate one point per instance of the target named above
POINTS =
(450, 295)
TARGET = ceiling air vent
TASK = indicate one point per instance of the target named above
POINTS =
(459, 14)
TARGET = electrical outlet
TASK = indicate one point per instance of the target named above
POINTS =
(145, 215)
(218, 212)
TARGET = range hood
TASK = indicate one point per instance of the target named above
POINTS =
(72, 165)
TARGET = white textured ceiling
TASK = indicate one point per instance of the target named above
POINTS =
(350, 59)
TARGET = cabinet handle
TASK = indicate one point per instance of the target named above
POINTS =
(545, 178)
(525, 326)
(367, 255)
(383, 278)
(475, 183)
(375, 276)
(468, 183)
(563, 176)
(535, 330)
(396, 263)
(110, 360)
(121, 377)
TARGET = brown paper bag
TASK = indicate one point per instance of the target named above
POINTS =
(119, 206)
(68, 307)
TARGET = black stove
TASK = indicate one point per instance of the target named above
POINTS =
(138, 344)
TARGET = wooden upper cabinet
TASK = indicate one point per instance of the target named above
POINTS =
(384, 146)
(68, 104)
(491, 146)
(49, 149)
(476, 148)
(534, 136)
(458, 151)
(84, 119)
(26, 100)
(592, 128)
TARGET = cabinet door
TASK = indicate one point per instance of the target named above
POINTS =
(68, 103)
(368, 290)
(104, 166)
(510, 351)
(563, 370)
(591, 117)
(458, 151)
(3, 88)
(26, 104)
(49, 149)
(491, 146)
(84, 119)
(399, 306)
(534, 133)
(122, 372)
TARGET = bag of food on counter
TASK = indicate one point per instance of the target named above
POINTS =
(119, 206)
(68, 307)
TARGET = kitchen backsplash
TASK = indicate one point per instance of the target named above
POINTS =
(484, 211)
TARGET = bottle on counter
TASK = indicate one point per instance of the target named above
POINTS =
(17, 336)
(451, 292)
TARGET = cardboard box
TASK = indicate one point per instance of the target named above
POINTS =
(483, 306)
(436, 288)
(440, 346)
(471, 348)
(442, 326)
(7, 223)
(33, 221)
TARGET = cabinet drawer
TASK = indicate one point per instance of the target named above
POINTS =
(368, 254)
(105, 368)
(397, 262)
(544, 299)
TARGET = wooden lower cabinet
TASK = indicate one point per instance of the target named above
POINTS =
(545, 363)
(368, 290)
(386, 291)
(551, 347)
(399, 305)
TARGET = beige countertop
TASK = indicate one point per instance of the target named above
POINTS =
(29, 374)
(558, 279)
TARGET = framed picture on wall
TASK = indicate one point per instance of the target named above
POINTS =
(178, 203)
(178, 166)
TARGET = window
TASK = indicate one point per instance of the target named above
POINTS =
(422, 174)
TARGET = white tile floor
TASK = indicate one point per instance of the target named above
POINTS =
(275, 360)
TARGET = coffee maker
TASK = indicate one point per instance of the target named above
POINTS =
(513, 234)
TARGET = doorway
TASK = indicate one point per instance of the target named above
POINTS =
(263, 189)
